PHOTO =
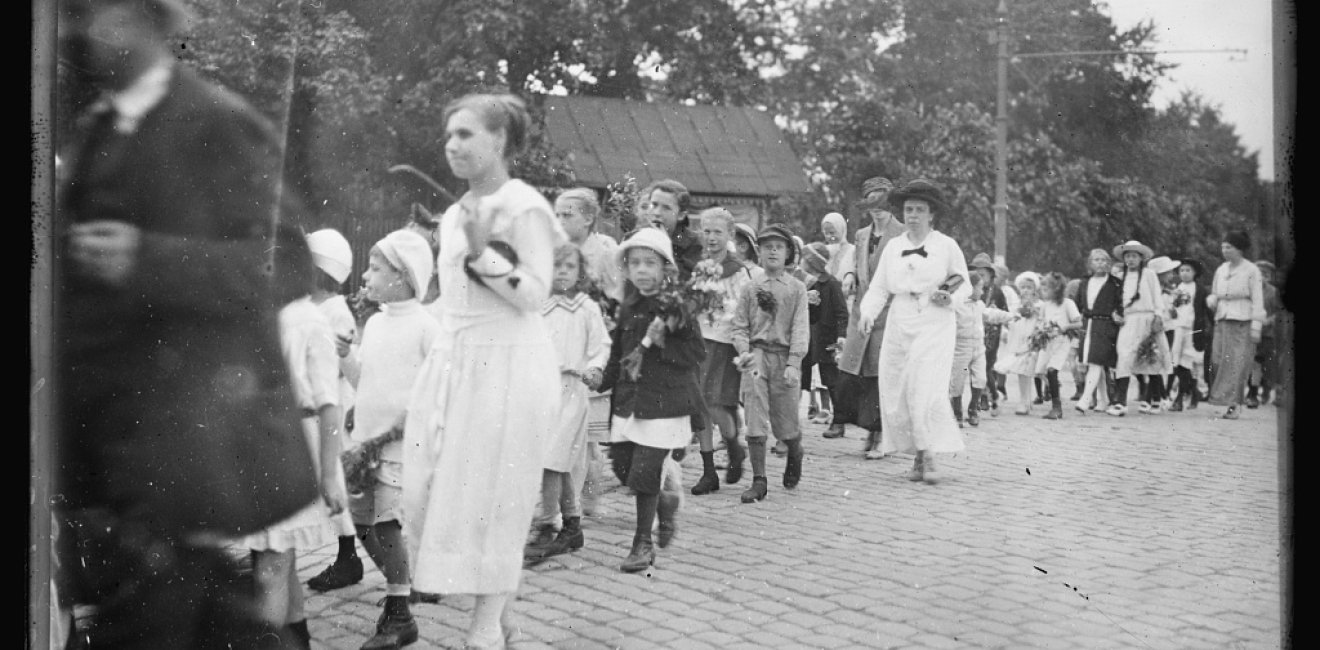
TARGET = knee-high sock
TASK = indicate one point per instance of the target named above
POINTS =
(756, 452)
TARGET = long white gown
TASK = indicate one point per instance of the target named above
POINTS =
(917, 354)
(484, 403)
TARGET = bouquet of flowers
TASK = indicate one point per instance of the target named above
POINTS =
(1148, 353)
(678, 305)
(1042, 335)
(360, 461)
(706, 289)
(1180, 298)
(1027, 310)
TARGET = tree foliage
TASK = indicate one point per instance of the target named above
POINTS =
(893, 87)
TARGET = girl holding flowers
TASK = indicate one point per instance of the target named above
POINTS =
(1142, 346)
(1059, 318)
(1020, 353)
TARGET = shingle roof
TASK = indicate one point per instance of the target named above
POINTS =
(710, 149)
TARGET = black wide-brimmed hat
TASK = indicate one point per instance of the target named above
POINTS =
(922, 190)
(1196, 266)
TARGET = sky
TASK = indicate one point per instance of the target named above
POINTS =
(1240, 84)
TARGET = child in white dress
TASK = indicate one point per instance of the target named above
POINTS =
(577, 328)
(1015, 354)
(309, 350)
(1060, 316)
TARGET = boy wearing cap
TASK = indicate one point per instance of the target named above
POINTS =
(395, 342)
(772, 333)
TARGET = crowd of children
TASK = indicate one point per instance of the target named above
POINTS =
(644, 378)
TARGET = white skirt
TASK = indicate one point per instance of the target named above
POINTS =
(916, 359)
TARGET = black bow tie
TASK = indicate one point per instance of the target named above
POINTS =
(920, 250)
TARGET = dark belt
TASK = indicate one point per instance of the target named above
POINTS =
(1100, 317)
(770, 347)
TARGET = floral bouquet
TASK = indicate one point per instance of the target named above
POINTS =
(361, 461)
(706, 289)
(678, 306)
(1027, 310)
(1148, 353)
(1042, 335)
(1180, 298)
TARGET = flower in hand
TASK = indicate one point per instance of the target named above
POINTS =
(940, 298)
(592, 377)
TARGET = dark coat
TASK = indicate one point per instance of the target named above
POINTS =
(667, 386)
(998, 300)
(1098, 322)
(687, 248)
(1203, 320)
(829, 319)
(172, 388)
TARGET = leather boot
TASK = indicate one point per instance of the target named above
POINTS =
(973, 419)
(666, 510)
(1056, 408)
(872, 449)
(569, 539)
(395, 628)
(793, 469)
(709, 481)
(758, 490)
(737, 455)
(641, 556)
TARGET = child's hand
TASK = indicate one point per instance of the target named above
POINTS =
(343, 344)
(744, 361)
(332, 494)
(813, 297)
(656, 332)
(1118, 318)
(792, 375)
(940, 298)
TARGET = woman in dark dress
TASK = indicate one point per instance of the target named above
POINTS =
(1099, 299)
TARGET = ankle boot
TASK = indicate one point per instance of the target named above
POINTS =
(929, 473)
(709, 481)
(641, 556)
(569, 539)
(737, 454)
(872, 449)
(793, 469)
(1056, 408)
(914, 474)
(666, 510)
(758, 490)
(972, 407)
(956, 403)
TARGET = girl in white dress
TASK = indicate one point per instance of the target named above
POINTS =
(1015, 354)
(578, 330)
(487, 397)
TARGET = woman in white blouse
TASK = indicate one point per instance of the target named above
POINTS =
(919, 275)
(1238, 301)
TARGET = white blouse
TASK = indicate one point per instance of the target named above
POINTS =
(914, 274)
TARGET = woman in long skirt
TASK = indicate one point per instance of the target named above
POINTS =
(924, 271)
(1239, 303)
(488, 394)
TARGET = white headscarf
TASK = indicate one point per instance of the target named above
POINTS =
(410, 253)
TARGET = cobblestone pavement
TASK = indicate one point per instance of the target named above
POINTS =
(1145, 531)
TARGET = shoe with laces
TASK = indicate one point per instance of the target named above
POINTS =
(1116, 409)
(340, 573)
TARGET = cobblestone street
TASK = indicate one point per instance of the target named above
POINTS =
(1145, 531)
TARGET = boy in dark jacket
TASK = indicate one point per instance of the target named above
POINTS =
(827, 312)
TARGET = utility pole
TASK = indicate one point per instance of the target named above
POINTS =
(1001, 139)
(1001, 116)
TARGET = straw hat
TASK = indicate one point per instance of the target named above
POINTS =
(1132, 245)
(1162, 264)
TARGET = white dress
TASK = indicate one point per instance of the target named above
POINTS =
(578, 331)
(916, 357)
(484, 402)
(1138, 322)
(309, 350)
